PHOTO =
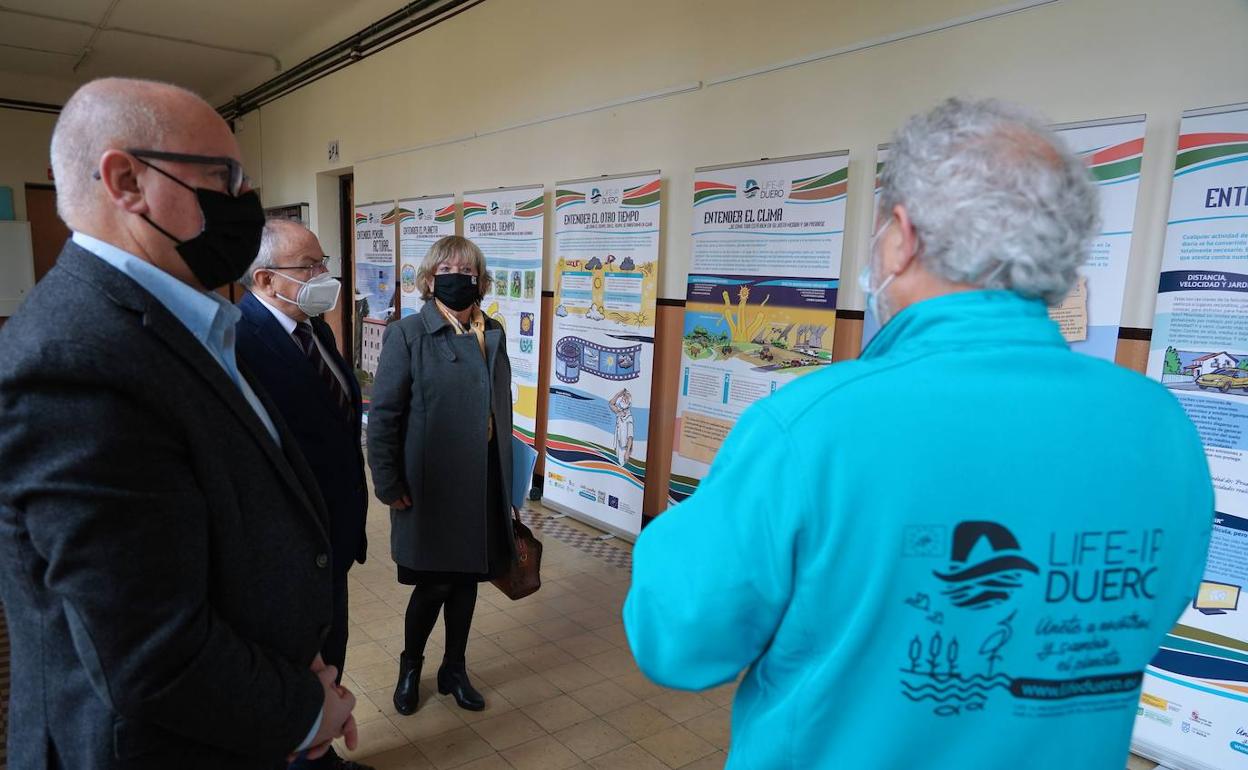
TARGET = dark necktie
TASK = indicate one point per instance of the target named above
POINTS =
(303, 336)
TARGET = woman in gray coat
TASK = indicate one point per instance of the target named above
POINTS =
(439, 441)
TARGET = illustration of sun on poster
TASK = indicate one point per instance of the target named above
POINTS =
(508, 224)
(761, 302)
(422, 221)
(606, 283)
(1194, 708)
(1112, 150)
(374, 285)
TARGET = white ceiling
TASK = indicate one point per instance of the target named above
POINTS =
(44, 60)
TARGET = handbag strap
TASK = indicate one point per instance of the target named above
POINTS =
(522, 547)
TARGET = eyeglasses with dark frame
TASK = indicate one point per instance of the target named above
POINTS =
(235, 169)
(316, 267)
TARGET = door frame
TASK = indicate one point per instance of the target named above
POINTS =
(346, 234)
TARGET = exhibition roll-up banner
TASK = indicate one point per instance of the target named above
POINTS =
(375, 292)
(508, 224)
(422, 221)
(1090, 315)
(606, 283)
(760, 306)
(1193, 710)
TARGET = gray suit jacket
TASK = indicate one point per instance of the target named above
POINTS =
(163, 563)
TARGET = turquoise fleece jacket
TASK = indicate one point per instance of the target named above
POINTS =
(958, 551)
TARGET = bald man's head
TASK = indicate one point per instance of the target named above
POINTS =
(115, 114)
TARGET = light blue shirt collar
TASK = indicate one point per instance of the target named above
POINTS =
(206, 315)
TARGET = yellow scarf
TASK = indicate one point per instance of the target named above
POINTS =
(476, 324)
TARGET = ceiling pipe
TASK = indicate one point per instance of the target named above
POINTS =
(390, 30)
(407, 21)
(26, 106)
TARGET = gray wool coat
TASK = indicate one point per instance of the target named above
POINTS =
(427, 437)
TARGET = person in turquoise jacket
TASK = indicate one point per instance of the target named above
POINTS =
(962, 549)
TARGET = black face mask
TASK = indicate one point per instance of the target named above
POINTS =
(456, 290)
(230, 240)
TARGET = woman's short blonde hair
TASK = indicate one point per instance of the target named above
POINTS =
(452, 248)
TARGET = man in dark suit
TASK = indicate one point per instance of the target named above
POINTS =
(291, 351)
(164, 551)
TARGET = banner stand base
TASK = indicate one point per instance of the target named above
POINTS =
(610, 530)
(1166, 759)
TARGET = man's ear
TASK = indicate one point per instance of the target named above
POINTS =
(119, 172)
(901, 247)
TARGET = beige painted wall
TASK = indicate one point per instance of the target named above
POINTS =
(508, 61)
(24, 140)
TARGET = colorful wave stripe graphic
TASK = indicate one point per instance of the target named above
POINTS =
(406, 214)
(821, 187)
(1205, 661)
(472, 209)
(446, 214)
(680, 487)
(1198, 151)
(527, 436)
(705, 192)
(531, 209)
(642, 195)
(593, 458)
(1116, 163)
(568, 198)
(391, 216)
(361, 218)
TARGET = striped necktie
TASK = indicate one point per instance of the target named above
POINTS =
(303, 336)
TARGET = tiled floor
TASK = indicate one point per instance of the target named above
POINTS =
(562, 690)
(561, 687)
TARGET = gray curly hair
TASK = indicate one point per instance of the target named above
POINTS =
(996, 198)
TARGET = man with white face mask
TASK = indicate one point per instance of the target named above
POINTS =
(291, 350)
(971, 536)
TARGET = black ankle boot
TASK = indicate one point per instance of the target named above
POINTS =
(453, 680)
(407, 691)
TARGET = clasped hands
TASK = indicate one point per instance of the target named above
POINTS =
(336, 719)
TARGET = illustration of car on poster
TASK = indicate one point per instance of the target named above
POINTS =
(1217, 370)
(1224, 380)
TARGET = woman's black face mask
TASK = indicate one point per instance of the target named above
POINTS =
(456, 290)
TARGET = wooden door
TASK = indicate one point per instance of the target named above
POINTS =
(47, 232)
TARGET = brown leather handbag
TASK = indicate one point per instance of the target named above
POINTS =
(524, 575)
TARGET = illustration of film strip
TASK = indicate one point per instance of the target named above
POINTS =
(574, 355)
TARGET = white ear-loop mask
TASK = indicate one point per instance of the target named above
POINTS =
(866, 277)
